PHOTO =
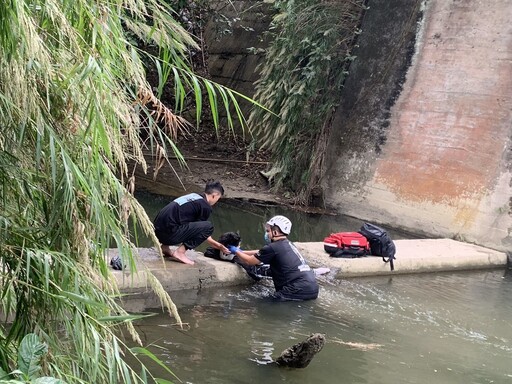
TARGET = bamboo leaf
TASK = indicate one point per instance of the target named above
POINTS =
(82, 299)
(147, 353)
(212, 97)
(199, 105)
(179, 91)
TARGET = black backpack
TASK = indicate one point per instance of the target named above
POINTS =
(380, 243)
(116, 263)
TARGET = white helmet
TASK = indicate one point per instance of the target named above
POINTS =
(284, 224)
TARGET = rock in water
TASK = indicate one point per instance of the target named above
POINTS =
(301, 354)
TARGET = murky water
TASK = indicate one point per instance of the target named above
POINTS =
(431, 328)
(428, 328)
(249, 221)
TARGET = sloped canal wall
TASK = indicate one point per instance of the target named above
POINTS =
(421, 138)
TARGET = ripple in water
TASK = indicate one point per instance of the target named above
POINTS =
(263, 350)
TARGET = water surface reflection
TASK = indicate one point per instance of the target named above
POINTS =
(249, 221)
(432, 328)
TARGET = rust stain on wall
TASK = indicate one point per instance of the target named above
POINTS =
(447, 128)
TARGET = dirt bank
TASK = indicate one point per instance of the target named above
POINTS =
(209, 155)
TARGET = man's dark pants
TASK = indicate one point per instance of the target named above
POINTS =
(190, 235)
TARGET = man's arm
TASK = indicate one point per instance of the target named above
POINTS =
(251, 252)
(248, 257)
(215, 244)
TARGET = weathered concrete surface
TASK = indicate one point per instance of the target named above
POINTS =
(235, 51)
(412, 256)
(439, 160)
(422, 135)
(206, 273)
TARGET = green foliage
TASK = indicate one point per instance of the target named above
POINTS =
(301, 81)
(74, 104)
(30, 353)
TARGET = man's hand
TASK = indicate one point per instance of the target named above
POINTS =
(215, 244)
(233, 249)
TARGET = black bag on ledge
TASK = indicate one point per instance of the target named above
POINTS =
(380, 243)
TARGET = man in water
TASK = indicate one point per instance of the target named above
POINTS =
(293, 278)
(184, 222)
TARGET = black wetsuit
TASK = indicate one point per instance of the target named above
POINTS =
(293, 278)
(184, 220)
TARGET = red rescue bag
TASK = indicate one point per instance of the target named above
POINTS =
(346, 244)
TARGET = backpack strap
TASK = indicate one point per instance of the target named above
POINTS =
(390, 261)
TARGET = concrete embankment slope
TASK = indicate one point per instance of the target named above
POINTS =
(421, 138)
(413, 256)
(422, 135)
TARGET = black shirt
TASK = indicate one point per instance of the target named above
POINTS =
(290, 272)
(185, 209)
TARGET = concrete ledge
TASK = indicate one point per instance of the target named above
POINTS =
(412, 256)
(174, 276)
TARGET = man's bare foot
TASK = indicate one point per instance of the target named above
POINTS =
(180, 256)
(166, 250)
(177, 255)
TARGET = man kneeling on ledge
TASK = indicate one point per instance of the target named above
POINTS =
(184, 222)
(293, 278)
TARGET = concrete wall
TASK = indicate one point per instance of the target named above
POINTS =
(233, 56)
(422, 136)
(434, 153)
